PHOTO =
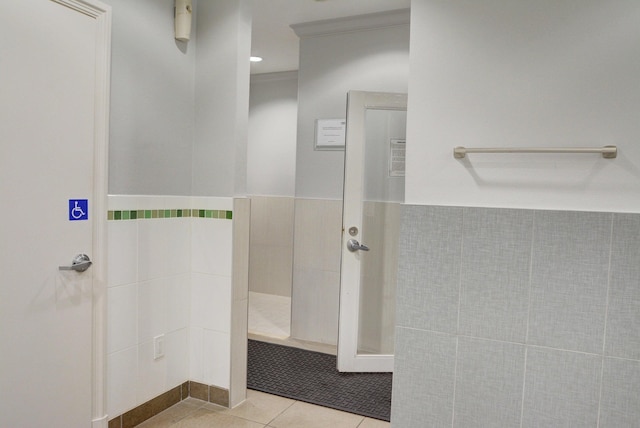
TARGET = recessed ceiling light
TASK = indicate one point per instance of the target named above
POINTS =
(255, 59)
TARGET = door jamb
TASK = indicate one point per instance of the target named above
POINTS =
(103, 16)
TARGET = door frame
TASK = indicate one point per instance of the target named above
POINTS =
(358, 102)
(102, 15)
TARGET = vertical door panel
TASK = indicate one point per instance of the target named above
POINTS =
(47, 108)
(373, 191)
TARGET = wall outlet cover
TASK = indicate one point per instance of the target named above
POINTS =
(158, 347)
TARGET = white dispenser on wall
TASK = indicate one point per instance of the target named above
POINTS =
(184, 10)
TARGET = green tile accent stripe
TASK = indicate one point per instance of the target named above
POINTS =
(172, 213)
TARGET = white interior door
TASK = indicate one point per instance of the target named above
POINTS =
(53, 121)
(373, 192)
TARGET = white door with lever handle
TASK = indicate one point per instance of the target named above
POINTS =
(373, 190)
(53, 133)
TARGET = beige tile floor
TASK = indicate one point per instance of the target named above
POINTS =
(260, 410)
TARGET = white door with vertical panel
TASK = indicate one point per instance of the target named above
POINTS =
(53, 92)
(373, 192)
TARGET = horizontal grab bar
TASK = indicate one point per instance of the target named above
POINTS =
(608, 152)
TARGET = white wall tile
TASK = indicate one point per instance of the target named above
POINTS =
(178, 301)
(216, 358)
(152, 374)
(152, 309)
(238, 372)
(211, 244)
(178, 244)
(177, 356)
(211, 302)
(122, 317)
(152, 249)
(177, 202)
(196, 368)
(122, 252)
(241, 226)
(122, 371)
(151, 202)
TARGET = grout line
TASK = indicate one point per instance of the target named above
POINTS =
(526, 333)
(460, 273)
(282, 412)
(531, 248)
(455, 383)
(457, 332)
(524, 383)
(606, 316)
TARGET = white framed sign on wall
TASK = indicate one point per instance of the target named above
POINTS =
(330, 134)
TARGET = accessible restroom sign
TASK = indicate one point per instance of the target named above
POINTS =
(78, 209)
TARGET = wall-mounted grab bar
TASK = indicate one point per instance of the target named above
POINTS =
(608, 152)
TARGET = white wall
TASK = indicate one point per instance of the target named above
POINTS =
(222, 98)
(148, 291)
(152, 101)
(543, 73)
(332, 64)
(176, 275)
(271, 152)
(334, 59)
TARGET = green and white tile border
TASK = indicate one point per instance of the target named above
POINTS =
(168, 213)
(134, 207)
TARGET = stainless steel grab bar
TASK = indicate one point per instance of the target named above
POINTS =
(608, 152)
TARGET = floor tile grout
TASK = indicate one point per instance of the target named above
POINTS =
(221, 411)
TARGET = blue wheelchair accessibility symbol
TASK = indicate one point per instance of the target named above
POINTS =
(78, 209)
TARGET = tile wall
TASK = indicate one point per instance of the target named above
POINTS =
(271, 262)
(170, 272)
(510, 318)
(316, 270)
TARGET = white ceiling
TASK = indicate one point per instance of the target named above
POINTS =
(274, 40)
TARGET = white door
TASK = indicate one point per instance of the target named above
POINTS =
(53, 118)
(373, 192)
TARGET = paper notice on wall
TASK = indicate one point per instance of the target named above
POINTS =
(397, 155)
(330, 134)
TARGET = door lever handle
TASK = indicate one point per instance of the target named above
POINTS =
(353, 246)
(80, 263)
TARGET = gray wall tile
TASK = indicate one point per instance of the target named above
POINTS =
(423, 379)
(561, 389)
(623, 324)
(569, 279)
(496, 259)
(429, 268)
(620, 403)
(489, 380)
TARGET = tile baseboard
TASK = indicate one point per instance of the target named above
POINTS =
(162, 402)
